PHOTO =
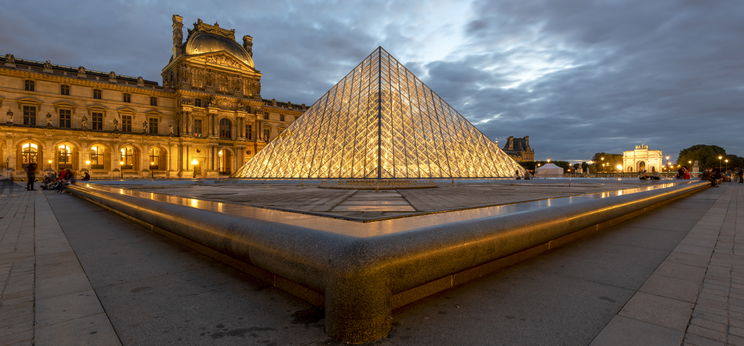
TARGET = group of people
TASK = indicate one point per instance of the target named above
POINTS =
(653, 175)
(683, 173)
(716, 176)
(52, 180)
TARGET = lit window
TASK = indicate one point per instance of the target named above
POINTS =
(127, 157)
(29, 85)
(127, 98)
(154, 158)
(64, 157)
(29, 115)
(97, 121)
(65, 118)
(29, 153)
(223, 162)
(64, 89)
(97, 94)
(96, 157)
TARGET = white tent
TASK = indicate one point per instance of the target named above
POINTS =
(549, 170)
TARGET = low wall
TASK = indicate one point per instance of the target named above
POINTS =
(361, 279)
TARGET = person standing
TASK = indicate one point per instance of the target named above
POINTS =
(31, 175)
(740, 174)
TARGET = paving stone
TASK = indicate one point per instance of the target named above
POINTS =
(628, 331)
(662, 311)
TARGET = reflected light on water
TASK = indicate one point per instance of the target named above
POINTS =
(194, 203)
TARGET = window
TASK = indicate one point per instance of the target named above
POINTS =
(153, 101)
(197, 102)
(266, 116)
(126, 157)
(64, 157)
(267, 133)
(225, 127)
(97, 121)
(29, 153)
(249, 132)
(126, 123)
(29, 115)
(223, 161)
(29, 85)
(153, 128)
(198, 127)
(281, 117)
(64, 89)
(97, 94)
(154, 158)
(65, 118)
(96, 157)
(127, 98)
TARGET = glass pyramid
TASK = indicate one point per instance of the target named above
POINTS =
(380, 122)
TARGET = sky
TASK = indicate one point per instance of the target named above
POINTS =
(578, 77)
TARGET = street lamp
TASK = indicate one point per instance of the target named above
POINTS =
(121, 169)
(50, 163)
(719, 162)
(726, 168)
(194, 162)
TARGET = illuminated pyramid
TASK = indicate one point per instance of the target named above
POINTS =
(380, 122)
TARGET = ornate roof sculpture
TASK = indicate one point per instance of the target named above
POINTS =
(380, 122)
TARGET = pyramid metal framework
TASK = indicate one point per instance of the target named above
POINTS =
(380, 122)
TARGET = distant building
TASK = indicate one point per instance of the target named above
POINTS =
(642, 159)
(519, 149)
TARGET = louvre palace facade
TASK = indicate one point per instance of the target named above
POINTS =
(205, 120)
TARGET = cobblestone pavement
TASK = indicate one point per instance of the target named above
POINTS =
(696, 296)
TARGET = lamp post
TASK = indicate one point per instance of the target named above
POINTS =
(50, 163)
(719, 162)
(194, 163)
(726, 167)
(603, 165)
(121, 169)
(152, 172)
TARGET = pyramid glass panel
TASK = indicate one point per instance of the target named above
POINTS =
(380, 122)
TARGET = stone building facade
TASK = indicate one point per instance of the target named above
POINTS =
(205, 120)
(519, 149)
(641, 158)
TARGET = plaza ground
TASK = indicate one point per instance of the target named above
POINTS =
(73, 273)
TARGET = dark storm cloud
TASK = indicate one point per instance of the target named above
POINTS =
(576, 76)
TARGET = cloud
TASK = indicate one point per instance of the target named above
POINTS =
(578, 77)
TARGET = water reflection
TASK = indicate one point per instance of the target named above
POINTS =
(375, 228)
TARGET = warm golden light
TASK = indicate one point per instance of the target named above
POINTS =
(121, 163)
(194, 162)
(219, 153)
(619, 167)
(49, 162)
(428, 140)
(87, 162)
(720, 157)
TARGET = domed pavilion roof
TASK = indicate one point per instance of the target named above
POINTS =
(207, 41)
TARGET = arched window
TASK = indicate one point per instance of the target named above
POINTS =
(96, 157)
(29, 153)
(64, 157)
(154, 158)
(225, 128)
(127, 157)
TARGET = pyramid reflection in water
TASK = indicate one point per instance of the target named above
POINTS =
(380, 122)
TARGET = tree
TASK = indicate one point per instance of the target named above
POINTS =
(705, 155)
(611, 161)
